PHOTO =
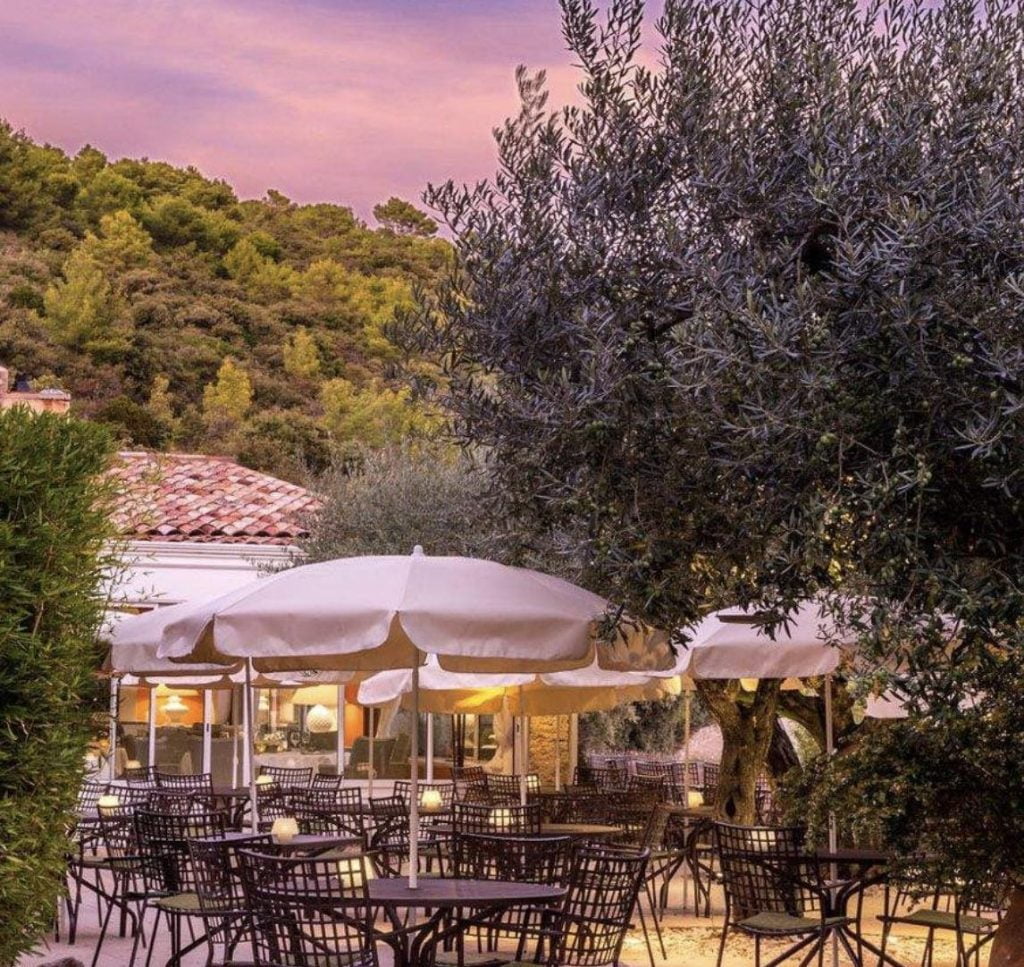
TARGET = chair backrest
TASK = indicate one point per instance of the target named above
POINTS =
(201, 782)
(762, 871)
(89, 795)
(140, 774)
(597, 911)
(603, 777)
(469, 817)
(504, 788)
(711, 773)
(309, 911)
(167, 834)
(322, 783)
(288, 777)
(523, 859)
(216, 868)
(403, 790)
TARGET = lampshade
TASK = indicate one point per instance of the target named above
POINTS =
(320, 719)
(264, 702)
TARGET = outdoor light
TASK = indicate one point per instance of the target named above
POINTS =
(748, 684)
(264, 703)
(284, 830)
(501, 818)
(264, 780)
(694, 799)
(133, 764)
(430, 801)
(108, 802)
(352, 877)
(174, 708)
(319, 719)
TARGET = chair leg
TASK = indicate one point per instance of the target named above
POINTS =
(647, 936)
(721, 943)
(654, 916)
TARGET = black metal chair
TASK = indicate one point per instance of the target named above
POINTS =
(774, 890)
(971, 913)
(590, 926)
(169, 877)
(389, 840)
(520, 859)
(315, 912)
(200, 783)
(218, 885)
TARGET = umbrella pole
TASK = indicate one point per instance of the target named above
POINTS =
(115, 687)
(236, 779)
(251, 779)
(151, 737)
(414, 792)
(208, 731)
(687, 702)
(339, 751)
(522, 750)
(830, 749)
(558, 753)
(369, 763)
(430, 747)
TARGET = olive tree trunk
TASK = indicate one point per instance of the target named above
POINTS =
(747, 726)
(1008, 946)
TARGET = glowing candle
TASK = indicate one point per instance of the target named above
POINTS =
(264, 780)
(108, 802)
(695, 799)
(430, 801)
(284, 830)
(501, 818)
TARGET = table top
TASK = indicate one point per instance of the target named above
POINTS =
(579, 830)
(440, 893)
(693, 812)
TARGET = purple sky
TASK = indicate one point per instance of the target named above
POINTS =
(326, 100)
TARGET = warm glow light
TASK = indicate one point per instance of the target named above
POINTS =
(501, 818)
(748, 684)
(694, 799)
(174, 708)
(264, 702)
(284, 829)
(430, 801)
(108, 802)
(133, 764)
(352, 876)
(264, 780)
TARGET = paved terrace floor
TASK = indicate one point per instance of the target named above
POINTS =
(690, 942)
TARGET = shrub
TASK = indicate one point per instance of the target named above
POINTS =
(53, 532)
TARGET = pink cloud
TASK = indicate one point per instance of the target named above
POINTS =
(337, 100)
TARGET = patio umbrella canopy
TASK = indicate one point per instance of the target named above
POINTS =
(380, 613)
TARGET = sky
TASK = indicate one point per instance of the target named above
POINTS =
(349, 101)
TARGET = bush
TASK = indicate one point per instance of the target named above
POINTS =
(53, 532)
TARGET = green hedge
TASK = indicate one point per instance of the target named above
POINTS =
(54, 527)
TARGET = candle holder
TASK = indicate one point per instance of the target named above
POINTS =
(430, 800)
(694, 799)
(501, 818)
(107, 802)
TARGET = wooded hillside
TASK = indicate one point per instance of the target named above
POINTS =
(189, 319)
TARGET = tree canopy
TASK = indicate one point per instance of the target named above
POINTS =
(745, 327)
(132, 282)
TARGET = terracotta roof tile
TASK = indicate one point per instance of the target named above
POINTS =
(190, 497)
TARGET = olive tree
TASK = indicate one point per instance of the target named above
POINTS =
(743, 325)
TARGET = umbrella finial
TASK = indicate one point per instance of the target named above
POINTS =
(417, 551)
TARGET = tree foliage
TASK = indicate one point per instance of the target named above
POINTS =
(745, 326)
(53, 527)
(117, 274)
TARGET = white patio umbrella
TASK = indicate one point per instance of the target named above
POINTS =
(378, 613)
(588, 689)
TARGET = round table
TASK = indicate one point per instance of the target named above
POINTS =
(486, 898)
